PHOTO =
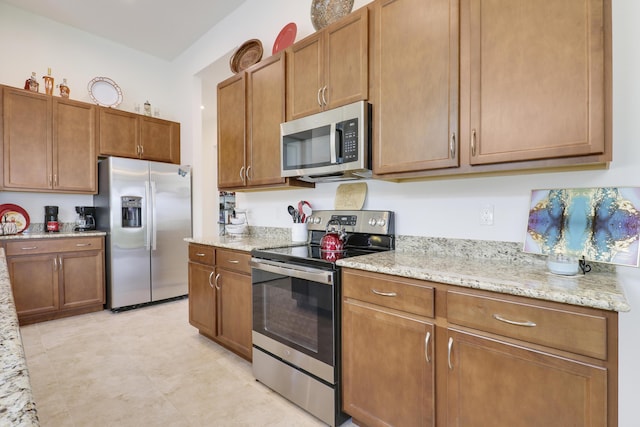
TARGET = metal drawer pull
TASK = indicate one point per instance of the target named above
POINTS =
(449, 348)
(526, 323)
(234, 261)
(384, 294)
(216, 282)
(199, 254)
(80, 245)
(210, 283)
(452, 145)
(28, 248)
(427, 338)
(473, 143)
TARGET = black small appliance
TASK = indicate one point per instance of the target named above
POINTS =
(51, 219)
(86, 220)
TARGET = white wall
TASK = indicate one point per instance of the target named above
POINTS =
(446, 207)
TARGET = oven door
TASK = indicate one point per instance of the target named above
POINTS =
(294, 315)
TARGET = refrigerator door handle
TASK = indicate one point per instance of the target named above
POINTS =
(147, 197)
(153, 214)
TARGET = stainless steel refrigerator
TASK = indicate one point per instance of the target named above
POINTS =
(145, 208)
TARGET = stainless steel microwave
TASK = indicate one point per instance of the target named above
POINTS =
(332, 145)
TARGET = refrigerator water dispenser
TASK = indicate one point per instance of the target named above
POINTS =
(131, 211)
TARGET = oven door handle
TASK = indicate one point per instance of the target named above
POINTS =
(315, 275)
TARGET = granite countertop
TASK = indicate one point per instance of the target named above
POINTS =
(17, 407)
(245, 243)
(44, 235)
(596, 289)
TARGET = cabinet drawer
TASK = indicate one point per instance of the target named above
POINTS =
(396, 293)
(202, 254)
(233, 260)
(72, 244)
(565, 330)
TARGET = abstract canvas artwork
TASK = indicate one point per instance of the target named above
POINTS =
(601, 224)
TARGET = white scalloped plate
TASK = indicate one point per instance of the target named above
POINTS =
(105, 92)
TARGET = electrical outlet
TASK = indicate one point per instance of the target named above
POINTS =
(486, 215)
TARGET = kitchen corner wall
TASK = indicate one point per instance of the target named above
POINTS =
(437, 208)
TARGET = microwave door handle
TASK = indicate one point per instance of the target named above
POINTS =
(340, 145)
(332, 144)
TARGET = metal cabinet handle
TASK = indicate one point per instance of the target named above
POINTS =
(141, 150)
(55, 263)
(427, 338)
(234, 261)
(526, 323)
(55, 179)
(210, 276)
(200, 254)
(248, 173)
(319, 101)
(50, 179)
(473, 142)
(324, 98)
(28, 248)
(449, 348)
(452, 145)
(242, 174)
(81, 245)
(216, 281)
(384, 294)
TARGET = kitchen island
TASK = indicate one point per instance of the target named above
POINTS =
(17, 407)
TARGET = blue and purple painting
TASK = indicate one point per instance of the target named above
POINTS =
(601, 224)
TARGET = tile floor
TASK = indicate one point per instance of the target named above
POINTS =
(145, 367)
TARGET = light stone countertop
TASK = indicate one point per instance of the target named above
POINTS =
(17, 407)
(243, 243)
(44, 235)
(597, 289)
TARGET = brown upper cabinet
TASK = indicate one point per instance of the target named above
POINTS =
(415, 85)
(48, 143)
(330, 67)
(131, 135)
(251, 107)
(536, 79)
(526, 85)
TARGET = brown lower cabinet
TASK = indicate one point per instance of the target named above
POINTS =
(220, 296)
(53, 278)
(417, 353)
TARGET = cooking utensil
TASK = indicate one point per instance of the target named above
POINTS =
(293, 212)
(303, 215)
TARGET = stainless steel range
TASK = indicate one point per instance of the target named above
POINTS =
(296, 310)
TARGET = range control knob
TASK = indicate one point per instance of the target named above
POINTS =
(316, 220)
(381, 222)
(372, 222)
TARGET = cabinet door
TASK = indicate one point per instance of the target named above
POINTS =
(497, 384)
(416, 85)
(159, 140)
(346, 64)
(305, 77)
(537, 79)
(118, 133)
(34, 281)
(231, 133)
(82, 279)
(202, 298)
(74, 146)
(265, 112)
(27, 143)
(234, 311)
(387, 367)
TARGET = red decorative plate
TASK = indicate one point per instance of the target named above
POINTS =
(285, 38)
(14, 213)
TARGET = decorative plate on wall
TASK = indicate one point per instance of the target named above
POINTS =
(105, 92)
(10, 213)
(325, 12)
(249, 53)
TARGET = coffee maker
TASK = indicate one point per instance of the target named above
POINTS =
(86, 219)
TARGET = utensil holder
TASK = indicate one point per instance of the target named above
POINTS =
(299, 232)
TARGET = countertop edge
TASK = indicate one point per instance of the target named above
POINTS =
(17, 406)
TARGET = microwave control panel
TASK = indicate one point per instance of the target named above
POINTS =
(349, 130)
